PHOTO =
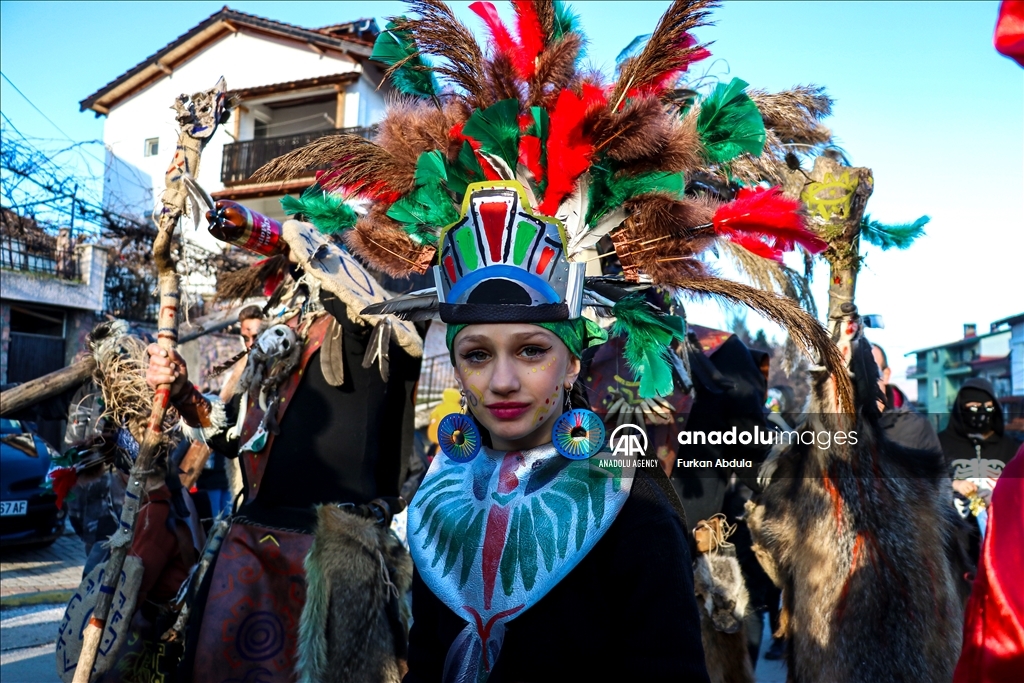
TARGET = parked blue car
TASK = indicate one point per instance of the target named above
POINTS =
(28, 510)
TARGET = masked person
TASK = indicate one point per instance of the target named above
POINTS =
(322, 429)
(974, 444)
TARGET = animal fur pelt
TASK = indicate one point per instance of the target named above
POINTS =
(354, 625)
(722, 601)
(859, 538)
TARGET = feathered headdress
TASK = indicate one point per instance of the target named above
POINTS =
(514, 161)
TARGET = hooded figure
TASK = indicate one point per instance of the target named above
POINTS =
(973, 443)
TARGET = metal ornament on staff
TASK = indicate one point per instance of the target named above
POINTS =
(198, 117)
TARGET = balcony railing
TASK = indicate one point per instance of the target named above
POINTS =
(39, 254)
(241, 159)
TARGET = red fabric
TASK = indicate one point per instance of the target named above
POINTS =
(993, 650)
(1009, 38)
(157, 546)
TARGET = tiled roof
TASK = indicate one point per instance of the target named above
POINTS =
(154, 67)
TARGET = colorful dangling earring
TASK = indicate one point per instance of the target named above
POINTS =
(458, 435)
(578, 434)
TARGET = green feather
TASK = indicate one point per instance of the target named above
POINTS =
(886, 236)
(566, 21)
(730, 123)
(497, 130)
(427, 208)
(415, 75)
(465, 169)
(648, 337)
(608, 190)
(328, 212)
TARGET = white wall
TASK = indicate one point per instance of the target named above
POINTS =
(245, 61)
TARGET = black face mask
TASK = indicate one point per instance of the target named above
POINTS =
(978, 418)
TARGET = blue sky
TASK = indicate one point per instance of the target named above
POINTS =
(921, 97)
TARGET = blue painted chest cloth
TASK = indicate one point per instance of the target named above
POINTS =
(492, 536)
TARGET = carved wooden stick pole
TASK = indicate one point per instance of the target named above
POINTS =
(198, 117)
(835, 196)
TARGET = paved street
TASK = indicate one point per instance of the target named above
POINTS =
(27, 633)
(29, 570)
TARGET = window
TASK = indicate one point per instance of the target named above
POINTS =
(935, 388)
(152, 147)
(935, 356)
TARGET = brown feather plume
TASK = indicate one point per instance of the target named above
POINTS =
(355, 162)
(641, 137)
(663, 53)
(800, 324)
(385, 245)
(249, 281)
(414, 126)
(770, 275)
(795, 115)
(438, 32)
(502, 78)
(546, 15)
(655, 238)
(556, 66)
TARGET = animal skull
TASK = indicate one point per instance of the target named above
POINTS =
(277, 341)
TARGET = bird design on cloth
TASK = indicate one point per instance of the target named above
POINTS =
(492, 536)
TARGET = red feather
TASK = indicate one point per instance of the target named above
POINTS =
(569, 151)
(531, 35)
(377, 190)
(766, 222)
(530, 156)
(501, 39)
(63, 479)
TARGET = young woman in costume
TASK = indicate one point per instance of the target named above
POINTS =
(533, 565)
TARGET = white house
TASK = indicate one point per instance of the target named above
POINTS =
(291, 84)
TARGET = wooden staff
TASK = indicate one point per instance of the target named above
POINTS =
(198, 117)
(57, 382)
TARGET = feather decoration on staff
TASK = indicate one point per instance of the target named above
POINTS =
(892, 236)
(766, 223)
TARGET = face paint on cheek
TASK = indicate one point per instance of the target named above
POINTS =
(549, 404)
(474, 396)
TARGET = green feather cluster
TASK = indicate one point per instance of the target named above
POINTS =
(609, 190)
(898, 236)
(328, 212)
(414, 76)
(428, 206)
(648, 339)
(497, 130)
(465, 169)
(729, 123)
(566, 21)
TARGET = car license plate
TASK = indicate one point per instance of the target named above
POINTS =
(11, 508)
